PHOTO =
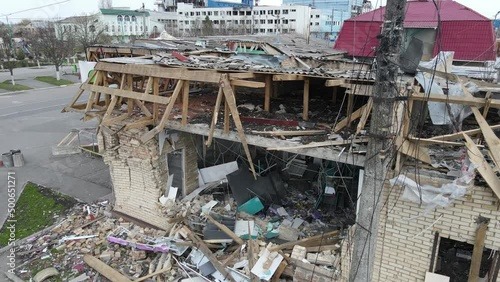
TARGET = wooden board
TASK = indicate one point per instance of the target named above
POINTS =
(127, 94)
(104, 269)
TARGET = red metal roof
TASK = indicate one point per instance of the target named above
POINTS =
(464, 31)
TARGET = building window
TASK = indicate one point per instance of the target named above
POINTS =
(112, 28)
(285, 12)
(131, 29)
(262, 12)
(235, 13)
(209, 13)
(277, 12)
(119, 18)
(285, 21)
(317, 16)
(293, 10)
(186, 22)
(216, 22)
(106, 28)
(249, 21)
(119, 28)
(216, 13)
(191, 14)
(262, 21)
(136, 28)
(197, 13)
(242, 13)
(248, 13)
(222, 22)
(316, 24)
(262, 30)
(127, 18)
(269, 12)
(204, 13)
(292, 20)
(270, 30)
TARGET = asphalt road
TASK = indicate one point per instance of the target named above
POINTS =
(25, 76)
(32, 122)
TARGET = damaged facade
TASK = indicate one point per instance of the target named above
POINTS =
(276, 135)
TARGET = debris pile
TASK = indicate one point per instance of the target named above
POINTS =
(214, 238)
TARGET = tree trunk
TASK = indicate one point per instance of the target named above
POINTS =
(38, 63)
(12, 79)
(58, 75)
(380, 150)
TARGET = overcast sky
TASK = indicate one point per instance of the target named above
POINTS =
(75, 7)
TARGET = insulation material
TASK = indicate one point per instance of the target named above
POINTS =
(429, 195)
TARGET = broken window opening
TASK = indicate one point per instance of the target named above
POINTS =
(454, 260)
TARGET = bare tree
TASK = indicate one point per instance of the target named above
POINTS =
(7, 51)
(105, 4)
(89, 31)
(56, 46)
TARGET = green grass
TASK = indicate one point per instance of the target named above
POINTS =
(7, 85)
(36, 209)
(53, 80)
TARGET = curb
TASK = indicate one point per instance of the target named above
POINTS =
(37, 89)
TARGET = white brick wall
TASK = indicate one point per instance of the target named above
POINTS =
(403, 254)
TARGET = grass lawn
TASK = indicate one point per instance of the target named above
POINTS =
(36, 209)
(53, 80)
(7, 85)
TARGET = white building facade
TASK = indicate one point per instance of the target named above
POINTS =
(189, 20)
(125, 25)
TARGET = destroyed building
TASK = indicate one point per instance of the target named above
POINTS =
(275, 134)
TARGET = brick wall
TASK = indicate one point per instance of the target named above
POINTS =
(139, 172)
(406, 233)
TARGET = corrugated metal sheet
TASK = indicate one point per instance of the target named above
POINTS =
(471, 41)
(359, 38)
(464, 31)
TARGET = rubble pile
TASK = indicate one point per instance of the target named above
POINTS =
(212, 239)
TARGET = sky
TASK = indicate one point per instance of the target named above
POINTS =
(487, 8)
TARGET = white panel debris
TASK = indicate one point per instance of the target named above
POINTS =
(218, 172)
(427, 194)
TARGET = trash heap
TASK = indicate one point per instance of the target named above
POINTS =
(214, 238)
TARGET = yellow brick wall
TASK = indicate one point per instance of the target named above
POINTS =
(405, 238)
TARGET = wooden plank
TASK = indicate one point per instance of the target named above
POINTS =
(291, 133)
(143, 108)
(413, 150)
(267, 93)
(487, 106)
(231, 257)
(477, 253)
(350, 107)
(214, 117)
(279, 271)
(226, 117)
(355, 115)
(287, 77)
(423, 141)
(140, 123)
(334, 82)
(364, 116)
(308, 242)
(242, 75)
(113, 120)
(322, 248)
(104, 269)
(320, 144)
(248, 83)
(156, 92)
(128, 94)
(161, 71)
(305, 112)
(146, 137)
(165, 269)
(488, 134)
(110, 109)
(185, 103)
(459, 135)
(92, 94)
(225, 230)
(231, 102)
(462, 100)
(484, 168)
(202, 247)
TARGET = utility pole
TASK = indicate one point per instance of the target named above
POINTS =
(380, 150)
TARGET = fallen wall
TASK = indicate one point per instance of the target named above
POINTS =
(406, 233)
(139, 172)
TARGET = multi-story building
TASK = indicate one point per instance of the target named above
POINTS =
(330, 14)
(123, 25)
(191, 20)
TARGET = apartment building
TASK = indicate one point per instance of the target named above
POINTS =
(191, 20)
